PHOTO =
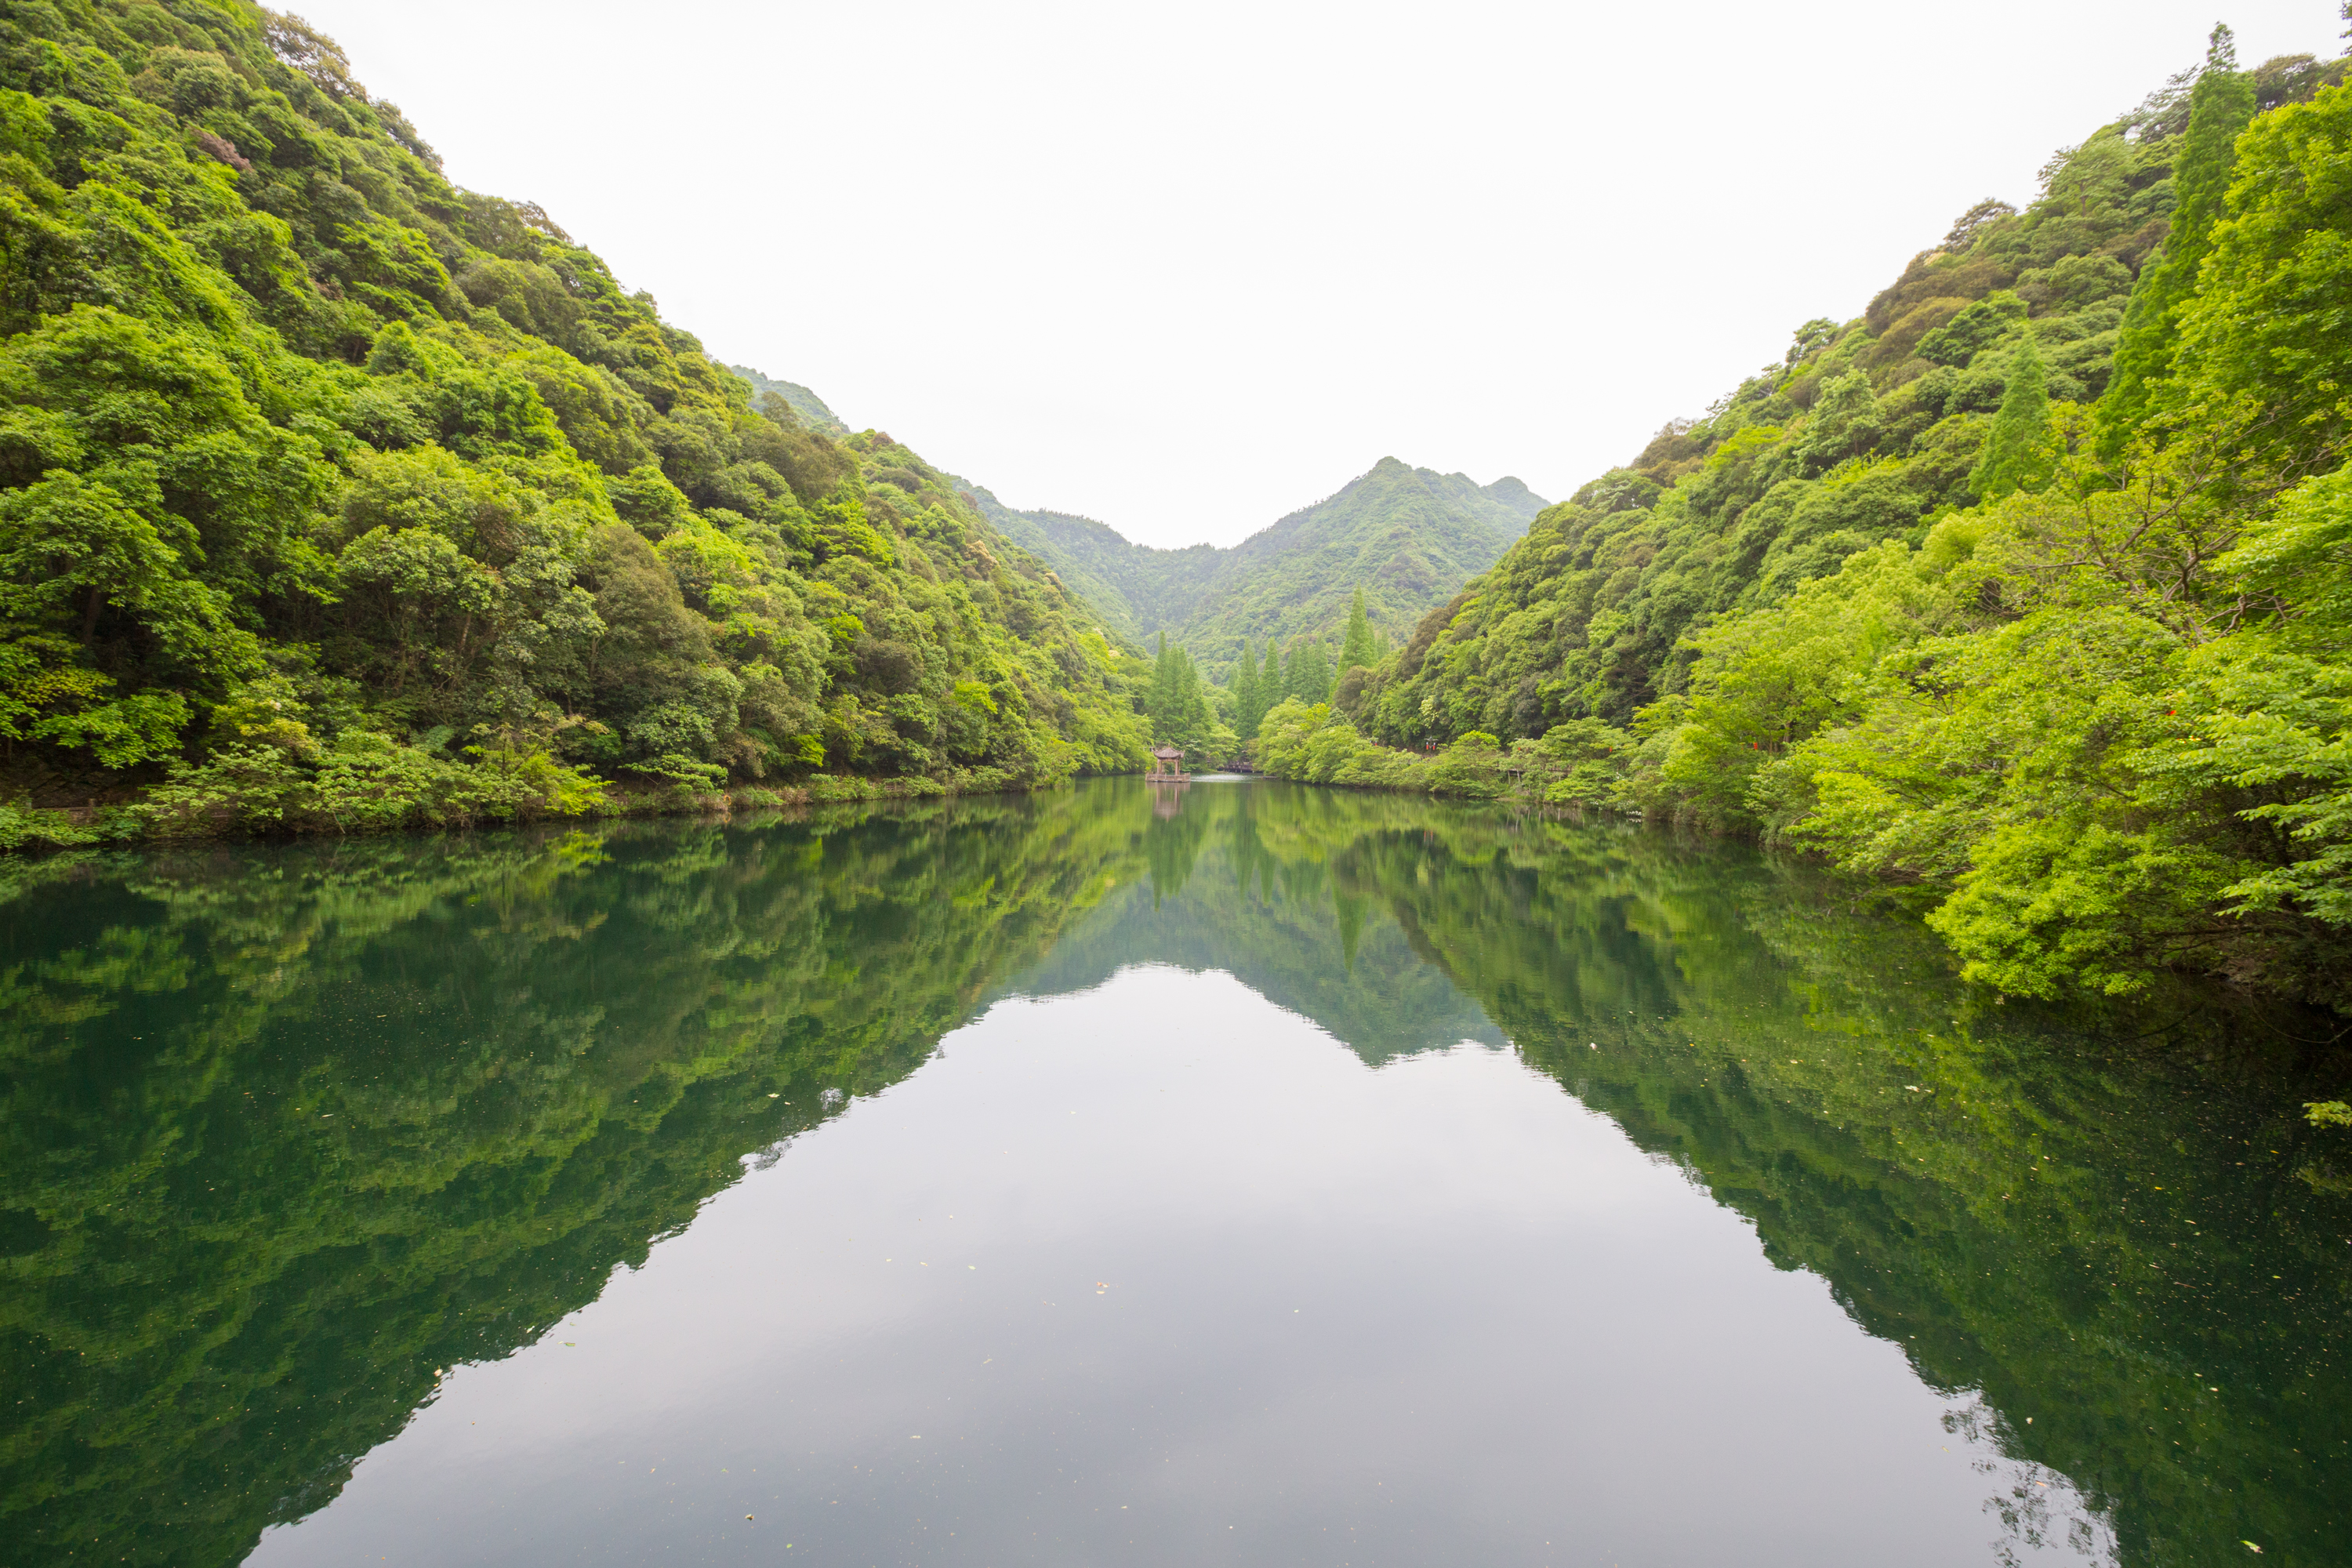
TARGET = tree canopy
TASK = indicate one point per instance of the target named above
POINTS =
(2022, 587)
(331, 492)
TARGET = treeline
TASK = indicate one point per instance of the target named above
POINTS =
(1214, 723)
(1403, 537)
(333, 495)
(2031, 585)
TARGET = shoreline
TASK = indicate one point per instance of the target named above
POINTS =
(30, 830)
(35, 830)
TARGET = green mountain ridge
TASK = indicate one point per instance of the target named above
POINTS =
(2030, 585)
(807, 404)
(332, 495)
(1407, 536)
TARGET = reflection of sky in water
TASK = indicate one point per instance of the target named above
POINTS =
(1153, 1273)
(1243, 1123)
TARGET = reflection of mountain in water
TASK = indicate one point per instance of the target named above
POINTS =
(284, 1129)
(1217, 898)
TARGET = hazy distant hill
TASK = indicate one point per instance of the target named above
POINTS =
(805, 403)
(1410, 537)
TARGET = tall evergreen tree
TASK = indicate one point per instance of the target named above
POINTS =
(1357, 646)
(2016, 455)
(1274, 681)
(1311, 672)
(2220, 107)
(1246, 712)
(1161, 702)
(1195, 716)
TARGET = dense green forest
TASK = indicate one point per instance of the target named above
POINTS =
(1394, 543)
(1406, 537)
(299, 1125)
(333, 495)
(2030, 587)
(811, 408)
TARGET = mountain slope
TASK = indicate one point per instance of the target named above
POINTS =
(1869, 430)
(810, 408)
(1407, 536)
(2031, 585)
(336, 495)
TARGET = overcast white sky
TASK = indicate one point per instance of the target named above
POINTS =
(1186, 268)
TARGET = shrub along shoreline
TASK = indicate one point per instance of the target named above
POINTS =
(496, 793)
(1580, 764)
(1589, 765)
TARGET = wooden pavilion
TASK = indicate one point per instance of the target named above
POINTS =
(1167, 764)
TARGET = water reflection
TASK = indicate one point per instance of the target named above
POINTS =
(289, 1128)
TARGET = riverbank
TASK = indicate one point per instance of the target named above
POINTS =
(1576, 765)
(167, 814)
(2055, 950)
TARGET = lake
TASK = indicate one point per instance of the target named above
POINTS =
(1236, 1174)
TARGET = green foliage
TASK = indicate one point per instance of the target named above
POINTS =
(1249, 696)
(2267, 328)
(1400, 538)
(277, 401)
(2016, 454)
(1573, 766)
(2081, 675)
(2220, 107)
(1356, 647)
(1308, 674)
(1179, 711)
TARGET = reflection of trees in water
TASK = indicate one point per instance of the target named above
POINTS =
(1172, 839)
(1282, 920)
(2054, 1219)
(2077, 1223)
(289, 1128)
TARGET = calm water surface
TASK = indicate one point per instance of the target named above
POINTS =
(1244, 1174)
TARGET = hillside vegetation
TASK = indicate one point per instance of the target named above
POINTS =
(333, 495)
(1407, 537)
(2031, 587)
(1399, 540)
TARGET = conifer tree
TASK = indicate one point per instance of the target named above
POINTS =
(1357, 648)
(2220, 106)
(1161, 702)
(1274, 682)
(1193, 716)
(2015, 455)
(1311, 672)
(1246, 712)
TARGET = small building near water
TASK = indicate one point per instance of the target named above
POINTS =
(1167, 762)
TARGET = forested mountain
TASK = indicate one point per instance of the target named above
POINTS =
(807, 404)
(2031, 584)
(1407, 537)
(331, 493)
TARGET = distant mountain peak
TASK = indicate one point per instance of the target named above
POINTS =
(1410, 537)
